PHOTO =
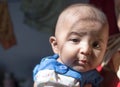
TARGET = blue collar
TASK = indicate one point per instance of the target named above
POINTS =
(51, 63)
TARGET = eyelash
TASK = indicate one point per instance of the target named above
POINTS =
(96, 44)
(75, 40)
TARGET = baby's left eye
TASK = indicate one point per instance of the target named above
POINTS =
(96, 44)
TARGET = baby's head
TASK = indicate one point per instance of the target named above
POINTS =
(80, 37)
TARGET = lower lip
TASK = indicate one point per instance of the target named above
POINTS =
(81, 62)
(84, 61)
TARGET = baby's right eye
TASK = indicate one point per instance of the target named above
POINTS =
(75, 40)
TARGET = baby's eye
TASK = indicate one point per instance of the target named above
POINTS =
(74, 40)
(96, 44)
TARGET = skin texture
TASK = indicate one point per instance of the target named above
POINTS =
(80, 38)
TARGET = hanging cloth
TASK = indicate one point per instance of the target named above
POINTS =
(42, 14)
(7, 37)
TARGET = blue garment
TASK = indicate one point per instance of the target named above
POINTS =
(51, 63)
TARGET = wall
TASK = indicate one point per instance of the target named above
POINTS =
(31, 46)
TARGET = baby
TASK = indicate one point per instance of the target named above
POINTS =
(79, 45)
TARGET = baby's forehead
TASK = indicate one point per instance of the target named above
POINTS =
(77, 13)
(83, 12)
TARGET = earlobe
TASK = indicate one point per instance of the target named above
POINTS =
(53, 43)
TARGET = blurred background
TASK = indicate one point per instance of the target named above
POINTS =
(25, 27)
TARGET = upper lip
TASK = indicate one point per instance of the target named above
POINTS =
(83, 59)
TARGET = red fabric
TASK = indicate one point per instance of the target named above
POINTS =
(107, 6)
(110, 79)
(99, 68)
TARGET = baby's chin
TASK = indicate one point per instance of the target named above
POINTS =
(80, 69)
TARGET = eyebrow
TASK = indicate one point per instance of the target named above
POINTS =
(77, 33)
(82, 34)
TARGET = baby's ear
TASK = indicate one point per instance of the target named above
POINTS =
(54, 44)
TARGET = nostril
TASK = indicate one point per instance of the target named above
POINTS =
(86, 53)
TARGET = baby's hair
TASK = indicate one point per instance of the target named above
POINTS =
(80, 10)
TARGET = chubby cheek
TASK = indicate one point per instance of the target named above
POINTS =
(98, 57)
(67, 54)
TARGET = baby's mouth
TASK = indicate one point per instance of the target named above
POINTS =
(82, 62)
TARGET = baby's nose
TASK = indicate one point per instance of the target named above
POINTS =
(85, 49)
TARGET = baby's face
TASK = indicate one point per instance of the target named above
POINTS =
(81, 45)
